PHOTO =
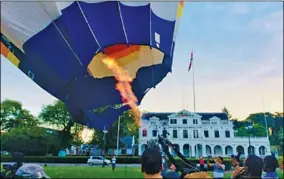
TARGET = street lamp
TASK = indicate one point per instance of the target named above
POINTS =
(47, 142)
(105, 132)
(249, 128)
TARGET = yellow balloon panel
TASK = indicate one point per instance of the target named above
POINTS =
(132, 62)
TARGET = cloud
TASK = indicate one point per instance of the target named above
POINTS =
(239, 8)
(272, 23)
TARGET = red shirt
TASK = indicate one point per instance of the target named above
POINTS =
(201, 162)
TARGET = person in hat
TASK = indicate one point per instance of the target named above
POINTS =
(151, 163)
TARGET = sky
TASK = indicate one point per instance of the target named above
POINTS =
(238, 60)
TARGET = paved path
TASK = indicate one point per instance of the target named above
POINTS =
(80, 164)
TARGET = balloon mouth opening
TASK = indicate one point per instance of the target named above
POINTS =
(129, 57)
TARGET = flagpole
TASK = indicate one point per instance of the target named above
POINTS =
(193, 81)
(265, 119)
(117, 140)
(194, 107)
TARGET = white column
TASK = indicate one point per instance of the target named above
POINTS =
(267, 150)
(139, 149)
(223, 151)
(190, 151)
(246, 150)
(181, 148)
(256, 150)
(203, 150)
(235, 150)
(193, 150)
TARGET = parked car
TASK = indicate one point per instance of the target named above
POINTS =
(4, 153)
(97, 160)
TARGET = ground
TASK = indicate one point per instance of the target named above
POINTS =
(99, 172)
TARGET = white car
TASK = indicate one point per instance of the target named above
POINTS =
(97, 160)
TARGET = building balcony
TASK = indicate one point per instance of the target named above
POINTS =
(213, 123)
(214, 140)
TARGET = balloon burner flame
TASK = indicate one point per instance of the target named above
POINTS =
(123, 86)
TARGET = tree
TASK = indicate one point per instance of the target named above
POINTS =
(31, 140)
(57, 114)
(281, 138)
(14, 115)
(242, 132)
(226, 111)
(274, 123)
(76, 131)
(257, 130)
(237, 124)
(128, 127)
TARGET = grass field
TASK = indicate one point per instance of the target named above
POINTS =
(99, 172)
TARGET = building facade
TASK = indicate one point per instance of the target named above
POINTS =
(199, 134)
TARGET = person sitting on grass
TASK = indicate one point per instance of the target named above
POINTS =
(270, 165)
(151, 163)
(219, 167)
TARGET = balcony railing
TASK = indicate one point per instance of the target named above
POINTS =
(206, 122)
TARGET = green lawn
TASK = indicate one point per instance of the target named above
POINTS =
(99, 172)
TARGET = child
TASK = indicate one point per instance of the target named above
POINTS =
(113, 161)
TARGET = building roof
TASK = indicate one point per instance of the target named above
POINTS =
(127, 141)
(164, 115)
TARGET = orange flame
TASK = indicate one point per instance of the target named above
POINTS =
(123, 86)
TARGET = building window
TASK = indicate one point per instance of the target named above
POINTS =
(206, 134)
(175, 133)
(154, 133)
(195, 133)
(195, 121)
(184, 121)
(185, 133)
(173, 121)
(165, 133)
(144, 132)
(227, 133)
(217, 134)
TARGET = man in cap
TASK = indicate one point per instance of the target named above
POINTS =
(151, 163)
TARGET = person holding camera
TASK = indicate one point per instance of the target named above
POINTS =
(219, 167)
(253, 166)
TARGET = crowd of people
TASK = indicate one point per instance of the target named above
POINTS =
(154, 166)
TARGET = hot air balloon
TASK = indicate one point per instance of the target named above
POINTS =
(60, 46)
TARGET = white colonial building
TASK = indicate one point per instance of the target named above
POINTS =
(199, 134)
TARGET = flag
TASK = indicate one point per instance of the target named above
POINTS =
(190, 63)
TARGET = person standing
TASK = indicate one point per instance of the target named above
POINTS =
(201, 164)
(270, 166)
(164, 164)
(219, 167)
(113, 162)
